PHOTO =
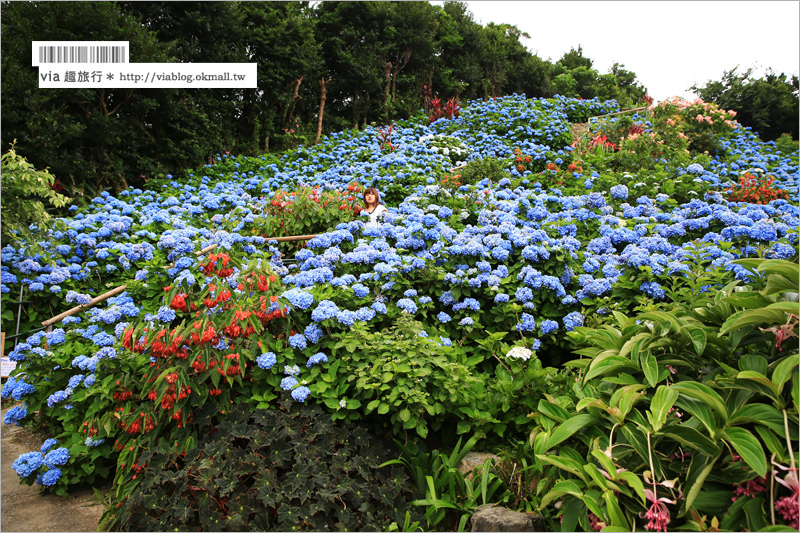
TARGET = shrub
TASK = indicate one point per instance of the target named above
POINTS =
(487, 168)
(284, 469)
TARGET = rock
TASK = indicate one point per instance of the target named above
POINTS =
(473, 460)
(492, 518)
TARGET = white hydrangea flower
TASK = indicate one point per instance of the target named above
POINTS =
(518, 352)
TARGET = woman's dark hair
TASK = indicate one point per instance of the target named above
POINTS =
(374, 191)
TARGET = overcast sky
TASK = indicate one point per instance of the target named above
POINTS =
(669, 45)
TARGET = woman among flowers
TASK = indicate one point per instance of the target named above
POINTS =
(373, 206)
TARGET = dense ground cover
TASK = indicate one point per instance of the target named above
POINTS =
(597, 307)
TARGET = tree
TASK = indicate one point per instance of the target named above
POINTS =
(770, 105)
(93, 137)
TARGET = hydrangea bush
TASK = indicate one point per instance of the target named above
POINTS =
(450, 317)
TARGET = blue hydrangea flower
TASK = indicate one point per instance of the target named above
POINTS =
(58, 457)
(317, 358)
(298, 341)
(15, 414)
(288, 382)
(407, 305)
(443, 318)
(266, 360)
(28, 463)
(51, 477)
(300, 394)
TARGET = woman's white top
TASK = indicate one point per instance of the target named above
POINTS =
(373, 217)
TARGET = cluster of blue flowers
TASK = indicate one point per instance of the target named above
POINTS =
(521, 249)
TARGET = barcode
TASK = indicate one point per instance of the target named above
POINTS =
(82, 54)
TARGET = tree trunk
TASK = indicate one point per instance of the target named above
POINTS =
(322, 83)
(398, 67)
(387, 70)
(295, 96)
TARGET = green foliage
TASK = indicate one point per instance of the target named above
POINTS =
(488, 168)
(409, 382)
(27, 195)
(704, 383)
(769, 105)
(450, 495)
(284, 469)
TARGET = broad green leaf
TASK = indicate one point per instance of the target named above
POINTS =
(756, 363)
(749, 448)
(699, 469)
(606, 463)
(699, 410)
(783, 371)
(606, 365)
(758, 413)
(565, 486)
(757, 317)
(567, 429)
(699, 339)
(691, 438)
(614, 512)
(590, 402)
(635, 483)
(760, 378)
(781, 266)
(703, 393)
(596, 475)
(565, 463)
(404, 415)
(650, 367)
(748, 300)
(773, 443)
(660, 405)
(553, 410)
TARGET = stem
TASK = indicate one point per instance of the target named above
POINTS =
(788, 441)
(772, 490)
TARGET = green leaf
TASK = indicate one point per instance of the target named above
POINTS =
(757, 317)
(614, 512)
(565, 463)
(758, 413)
(404, 415)
(662, 402)
(749, 448)
(553, 410)
(783, 371)
(596, 476)
(567, 429)
(699, 339)
(565, 486)
(635, 483)
(691, 438)
(760, 378)
(700, 411)
(606, 365)
(756, 363)
(606, 463)
(699, 469)
(383, 408)
(703, 393)
(650, 367)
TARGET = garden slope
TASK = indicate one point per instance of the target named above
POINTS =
(24, 508)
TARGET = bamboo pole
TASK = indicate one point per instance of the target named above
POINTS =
(121, 288)
(95, 301)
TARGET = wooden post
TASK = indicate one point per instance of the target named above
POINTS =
(322, 83)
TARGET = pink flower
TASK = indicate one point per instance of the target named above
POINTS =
(670, 122)
(749, 488)
(658, 514)
(788, 506)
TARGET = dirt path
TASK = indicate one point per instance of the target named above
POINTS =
(22, 508)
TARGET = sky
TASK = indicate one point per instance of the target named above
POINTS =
(670, 46)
